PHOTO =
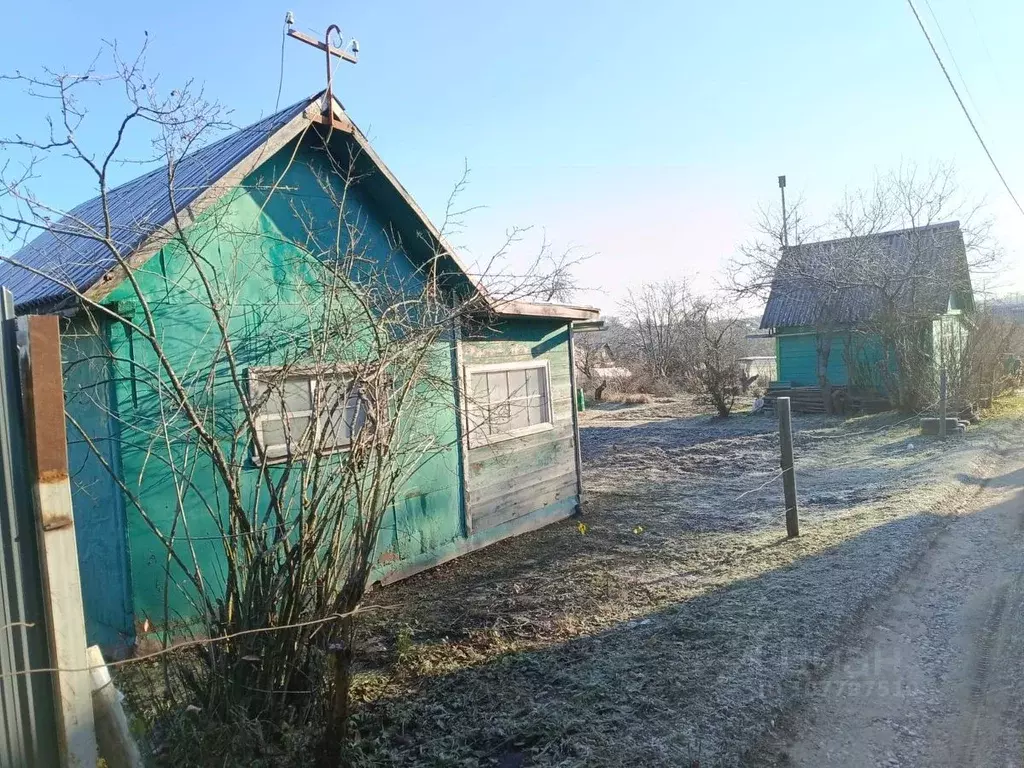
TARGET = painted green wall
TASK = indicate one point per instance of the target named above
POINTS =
(797, 358)
(796, 352)
(100, 524)
(249, 242)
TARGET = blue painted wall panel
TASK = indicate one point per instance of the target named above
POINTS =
(98, 504)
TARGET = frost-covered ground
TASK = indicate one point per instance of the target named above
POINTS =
(677, 622)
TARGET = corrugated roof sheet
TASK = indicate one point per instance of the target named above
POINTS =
(837, 281)
(137, 209)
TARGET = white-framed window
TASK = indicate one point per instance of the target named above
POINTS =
(506, 400)
(301, 411)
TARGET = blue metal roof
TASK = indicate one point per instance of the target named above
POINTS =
(137, 209)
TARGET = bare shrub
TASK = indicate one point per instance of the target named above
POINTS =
(630, 398)
(718, 369)
(289, 514)
(988, 364)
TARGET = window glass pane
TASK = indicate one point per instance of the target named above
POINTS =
(356, 413)
(537, 410)
(533, 380)
(296, 394)
(343, 420)
(478, 386)
(517, 383)
(497, 383)
(519, 415)
(498, 417)
(274, 432)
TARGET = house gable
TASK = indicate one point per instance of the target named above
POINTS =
(256, 248)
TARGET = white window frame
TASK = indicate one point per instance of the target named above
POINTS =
(279, 452)
(478, 437)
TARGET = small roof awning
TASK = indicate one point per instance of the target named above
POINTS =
(543, 309)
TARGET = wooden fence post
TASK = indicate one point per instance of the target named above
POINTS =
(943, 386)
(43, 393)
(788, 471)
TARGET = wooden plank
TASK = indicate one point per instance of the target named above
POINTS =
(113, 734)
(577, 456)
(43, 390)
(473, 543)
(482, 455)
(341, 53)
(515, 486)
(462, 419)
(497, 514)
(537, 309)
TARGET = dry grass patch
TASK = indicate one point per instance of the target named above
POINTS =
(682, 622)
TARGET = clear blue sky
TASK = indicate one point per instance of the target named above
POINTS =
(644, 132)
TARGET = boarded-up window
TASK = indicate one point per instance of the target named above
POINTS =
(507, 401)
(300, 413)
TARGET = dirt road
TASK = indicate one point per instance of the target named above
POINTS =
(936, 677)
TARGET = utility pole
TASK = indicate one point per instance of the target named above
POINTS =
(345, 50)
(788, 471)
(785, 223)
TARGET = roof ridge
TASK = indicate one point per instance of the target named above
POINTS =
(952, 224)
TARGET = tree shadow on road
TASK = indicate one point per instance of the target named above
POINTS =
(708, 671)
(1013, 479)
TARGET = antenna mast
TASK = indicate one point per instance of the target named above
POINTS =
(785, 224)
(345, 50)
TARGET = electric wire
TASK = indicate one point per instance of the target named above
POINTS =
(963, 108)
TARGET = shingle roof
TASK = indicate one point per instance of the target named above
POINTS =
(846, 281)
(137, 209)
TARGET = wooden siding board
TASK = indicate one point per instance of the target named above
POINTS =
(521, 475)
(502, 488)
(497, 513)
(503, 454)
(100, 519)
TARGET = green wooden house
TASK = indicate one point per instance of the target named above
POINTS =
(827, 299)
(505, 469)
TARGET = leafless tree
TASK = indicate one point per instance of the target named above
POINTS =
(661, 328)
(288, 429)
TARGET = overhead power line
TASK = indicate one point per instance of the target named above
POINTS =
(963, 107)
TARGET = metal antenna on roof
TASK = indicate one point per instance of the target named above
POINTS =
(345, 50)
(785, 224)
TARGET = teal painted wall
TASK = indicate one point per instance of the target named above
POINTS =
(250, 243)
(100, 525)
(796, 353)
(797, 358)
